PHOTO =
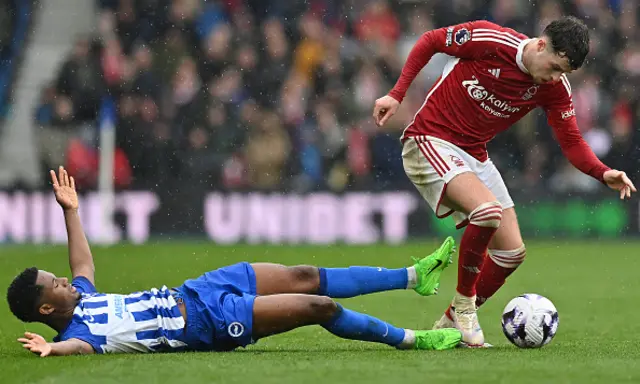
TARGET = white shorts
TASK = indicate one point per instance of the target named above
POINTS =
(431, 163)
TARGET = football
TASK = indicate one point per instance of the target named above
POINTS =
(530, 321)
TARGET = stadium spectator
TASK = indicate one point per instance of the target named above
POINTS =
(185, 73)
(81, 80)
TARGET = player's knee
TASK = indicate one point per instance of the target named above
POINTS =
(487, 215)
(510, 259)
(306, 278)
(323, 308)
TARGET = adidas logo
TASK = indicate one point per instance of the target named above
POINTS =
(471, 269)
(495, 72)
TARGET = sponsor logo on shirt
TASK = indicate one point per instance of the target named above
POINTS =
(488, 101)
(449, 40)
(118, 305)
(530, 92)
(567, 114)
(462, 36)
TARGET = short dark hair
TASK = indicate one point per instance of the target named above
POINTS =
(24, 295)
(569, 36)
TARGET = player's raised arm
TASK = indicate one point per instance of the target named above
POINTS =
(454, 40)
(80, 258)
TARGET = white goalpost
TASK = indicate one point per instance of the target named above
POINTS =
(106, 191)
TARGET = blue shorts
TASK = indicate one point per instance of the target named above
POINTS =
(219, 306)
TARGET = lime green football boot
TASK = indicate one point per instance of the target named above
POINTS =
(429, 269)
(438, 339)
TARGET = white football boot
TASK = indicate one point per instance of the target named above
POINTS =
(444, 322)
(465, 319)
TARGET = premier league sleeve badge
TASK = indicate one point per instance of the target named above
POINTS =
(462, 36)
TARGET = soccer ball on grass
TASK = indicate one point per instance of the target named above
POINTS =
(530, 321)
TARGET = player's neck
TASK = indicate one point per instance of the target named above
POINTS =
(59, 323)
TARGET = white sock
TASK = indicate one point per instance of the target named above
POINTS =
(412, 278)
(409, 341)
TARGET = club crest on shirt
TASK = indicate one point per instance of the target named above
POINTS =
(456, 160)
(462, 36)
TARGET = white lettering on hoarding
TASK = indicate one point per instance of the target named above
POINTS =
(37, 217)
(13, 216)
(358, 224)
(317, 218)
(225, 221)
(138, 206)
(323, 221)
(396, 208)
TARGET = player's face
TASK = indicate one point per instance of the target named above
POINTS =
(57, 295)
(548, 66)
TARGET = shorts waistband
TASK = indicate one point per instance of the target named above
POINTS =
(177, 295)
(191, 324)
(182, 305)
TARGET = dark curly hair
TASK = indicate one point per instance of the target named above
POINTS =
(569, 37)
(24, 295)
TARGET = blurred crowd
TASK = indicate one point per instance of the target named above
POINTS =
(278, 94)
(7, 23)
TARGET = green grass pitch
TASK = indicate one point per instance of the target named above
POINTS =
(595, 286)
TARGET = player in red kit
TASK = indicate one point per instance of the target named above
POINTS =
(494, 78)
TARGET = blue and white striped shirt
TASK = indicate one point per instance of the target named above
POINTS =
(148, 321)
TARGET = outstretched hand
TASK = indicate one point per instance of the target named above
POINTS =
(64, 188)
(619, 181)
(36, 344)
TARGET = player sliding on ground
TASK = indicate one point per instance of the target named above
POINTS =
(494, 78)
(221, 310)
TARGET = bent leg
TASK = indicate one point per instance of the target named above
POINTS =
(333, 282)
(467, 193)
(272, 279)
(506, 253)
(281, 313)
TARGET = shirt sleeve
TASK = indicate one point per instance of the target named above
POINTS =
(455, 41)
(561, 116)
(79, 330)
(83, 285)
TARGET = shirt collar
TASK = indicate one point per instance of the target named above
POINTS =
(521, 46)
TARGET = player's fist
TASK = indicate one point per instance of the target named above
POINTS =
(36, 344)
(384, 108)
(619, 181)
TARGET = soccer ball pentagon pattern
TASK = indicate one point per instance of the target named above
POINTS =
(530, 321)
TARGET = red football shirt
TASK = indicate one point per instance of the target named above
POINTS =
(484, 89)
